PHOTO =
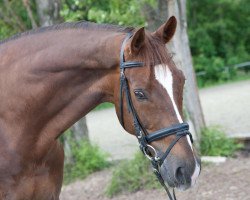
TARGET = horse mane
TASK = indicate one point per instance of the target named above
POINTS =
(71, 25)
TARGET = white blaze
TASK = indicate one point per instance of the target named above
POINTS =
(164, 76)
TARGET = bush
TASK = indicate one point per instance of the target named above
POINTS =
(215, 143)
(217, 40)
(132, 175)
(87, 159)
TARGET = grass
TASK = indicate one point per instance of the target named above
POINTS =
(214, 142)
(88, 158)
(132, 175)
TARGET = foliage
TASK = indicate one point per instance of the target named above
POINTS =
(88, 158)
(13, 18)
(122, 12)
(132, 175)
(219, 36)
(215, 143)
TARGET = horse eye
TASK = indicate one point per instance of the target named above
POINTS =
(140, 95)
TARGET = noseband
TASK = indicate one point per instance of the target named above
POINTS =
(144, 138)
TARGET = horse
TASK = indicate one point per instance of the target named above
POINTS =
(51, 77)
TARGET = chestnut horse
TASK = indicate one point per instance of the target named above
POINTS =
(51, 77)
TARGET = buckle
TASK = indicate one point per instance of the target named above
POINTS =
(147, 148)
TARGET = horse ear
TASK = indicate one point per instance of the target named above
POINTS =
(137, 40)
(167, 30)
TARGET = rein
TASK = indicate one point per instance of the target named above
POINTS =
(144, 138)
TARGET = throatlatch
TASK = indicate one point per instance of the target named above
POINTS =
(144, 138)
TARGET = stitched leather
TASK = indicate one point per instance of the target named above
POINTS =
(157, 135)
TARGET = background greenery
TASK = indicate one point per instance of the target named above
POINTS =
(87, 158)
(219, 36)
(132, 175)
(122, 12)
(214, 142)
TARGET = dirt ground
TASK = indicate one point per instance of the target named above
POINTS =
(226, 181)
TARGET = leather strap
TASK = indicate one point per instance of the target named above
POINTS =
(132, 64)
(167, 132)
(123, 80)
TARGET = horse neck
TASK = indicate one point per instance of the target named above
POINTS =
(67, 72)
(72, 48)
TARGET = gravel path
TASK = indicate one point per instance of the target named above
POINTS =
(228, 106)
(106, 131)
(227, 181)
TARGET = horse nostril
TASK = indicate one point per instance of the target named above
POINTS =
(180, 175)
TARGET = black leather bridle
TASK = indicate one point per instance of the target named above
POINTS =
(144, 138)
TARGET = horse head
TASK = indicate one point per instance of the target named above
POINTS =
(150, 100)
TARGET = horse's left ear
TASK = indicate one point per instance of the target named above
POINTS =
(167, 30)
(137, 41)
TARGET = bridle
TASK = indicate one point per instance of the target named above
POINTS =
(144, 138)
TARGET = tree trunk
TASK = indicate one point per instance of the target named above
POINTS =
(179, 46)
(78, 132)
(49, 14)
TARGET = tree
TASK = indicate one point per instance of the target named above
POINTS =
(13, 18)
(219, 39)
(49, 14)
(179, 46)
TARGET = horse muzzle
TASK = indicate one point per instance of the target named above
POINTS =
(180, 173)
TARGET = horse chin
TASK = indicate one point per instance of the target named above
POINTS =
(165, 173)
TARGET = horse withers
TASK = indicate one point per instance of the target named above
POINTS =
(53, 76)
